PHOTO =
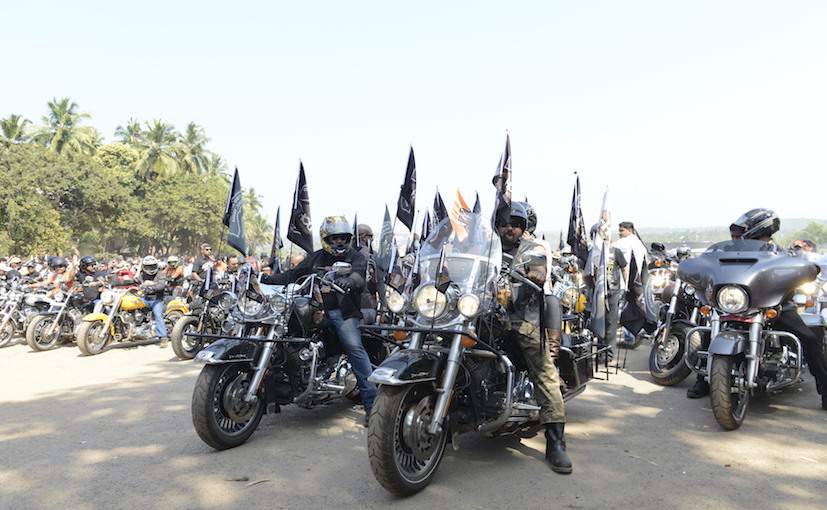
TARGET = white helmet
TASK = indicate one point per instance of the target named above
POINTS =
(149, 265)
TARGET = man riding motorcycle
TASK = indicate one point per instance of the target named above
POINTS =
(524, 319)
(760, 224)
(59, 276)
(90, 278)
(174, 274)
(343, 310)
(153, 285)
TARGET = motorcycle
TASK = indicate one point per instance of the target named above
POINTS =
(46, 329)
(458, 372)
(19, 308)
(745, 285)
(128, 319)
(284, 354)
(208, 314)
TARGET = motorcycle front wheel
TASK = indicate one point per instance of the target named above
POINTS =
(6, 334)
(89, 338)
(728, 399)
(403, 456)
(36, 333)
(185, 347)
(666, 363)
(221, 417)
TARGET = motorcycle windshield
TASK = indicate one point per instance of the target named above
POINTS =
(464, 252)
(767, 275)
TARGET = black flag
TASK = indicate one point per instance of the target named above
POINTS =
(502, 181)
(477, 208)
(234, 216)
(354, 242)
(407, 195)
(577, 228)
(440, 212)
(300, 223)
(278, 244)
(562, 245)
(426, 227)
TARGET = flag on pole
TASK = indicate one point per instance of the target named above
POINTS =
(577, 238)
(440, 211)
(299, 230)
(477, 208)
(386, 243)
(502, 182)
(426, 227)
(278, 244)
(459, 217)
(406, 205)
(354, 241)
(234, 216)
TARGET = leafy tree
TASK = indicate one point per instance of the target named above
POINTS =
(13, 129)
(61, 129)
(130, 134)
(191, 150)
(157, 151)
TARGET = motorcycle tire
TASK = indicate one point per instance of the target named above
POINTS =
(729, 409)
(36, 331)
(671, 371)
(394, 464)
(6, 334)
(87, 338)
(215, 424)
(185, 347)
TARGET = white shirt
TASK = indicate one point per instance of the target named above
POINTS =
(632, 245)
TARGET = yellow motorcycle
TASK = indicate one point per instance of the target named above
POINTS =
(128, 319)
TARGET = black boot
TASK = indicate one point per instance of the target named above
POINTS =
(556, 448)
(700, 389)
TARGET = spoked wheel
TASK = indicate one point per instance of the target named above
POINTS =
(6, 334)
(185, 347)
(38, 336)
(89, 339)
(666, 363)
(728, 392)
(221, 417)
(403, 455)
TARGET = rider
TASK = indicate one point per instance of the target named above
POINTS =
(202, 262)
(342, 309)
(525, 329)
(90, 278)
(153, 285)
(174, 274)
(368, 300)
(59, 276)
(760, 225)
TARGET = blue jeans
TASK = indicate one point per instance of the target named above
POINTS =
(348, 332)
(158, 307)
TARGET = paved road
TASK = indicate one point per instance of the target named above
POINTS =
(114, 431)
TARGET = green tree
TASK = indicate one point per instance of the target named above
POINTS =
(13, 129)
(157, 151)
(191, 150)
(130, 134)
(61, 129)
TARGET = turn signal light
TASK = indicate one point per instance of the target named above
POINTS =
(468, 342)
(400, 336)
(658, 263)
(772, 313)
(706, 310)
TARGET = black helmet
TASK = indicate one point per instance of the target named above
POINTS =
(335, 226)
(56, 262)
(86, 263)
(520, 211)
(531, 217)
(755, 224)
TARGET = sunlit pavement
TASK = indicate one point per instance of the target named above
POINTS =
(114, 431)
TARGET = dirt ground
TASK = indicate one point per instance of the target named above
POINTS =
(114, 431)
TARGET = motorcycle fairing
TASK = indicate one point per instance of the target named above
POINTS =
(407, 367)
(228, 350)
(95, 316)
(729, 343)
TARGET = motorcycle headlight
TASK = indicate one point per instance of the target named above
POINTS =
(690, 290)
(278, 303)
(395, 300)
(227, 301)
(809, 288)
(732, 299)
(107, 297)
(430, 302)
(569, 297)
(250, 308)
(468, 305)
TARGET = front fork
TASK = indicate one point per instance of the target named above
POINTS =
(754, 357)
(673, 306)
(261, 367)
(446, 389)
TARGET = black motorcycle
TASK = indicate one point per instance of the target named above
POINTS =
(745, 282)
(457, 372)
(209, 311)
(284, 354)
(48, 328)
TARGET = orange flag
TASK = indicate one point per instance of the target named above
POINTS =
(459, 217)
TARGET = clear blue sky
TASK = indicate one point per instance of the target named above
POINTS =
(690, 112)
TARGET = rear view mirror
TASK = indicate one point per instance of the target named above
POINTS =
(658, 247)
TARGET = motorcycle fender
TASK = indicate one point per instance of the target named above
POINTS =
(407, 367)
(179, 306)
(728, 343)
(228, 350)
(95, 316)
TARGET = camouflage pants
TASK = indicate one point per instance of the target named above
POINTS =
(544, 375)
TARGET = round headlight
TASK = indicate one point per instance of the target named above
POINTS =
(690, 290)
(250, 307)
(430, 302)
(809, 288)
(395, 300)
(277, 303)
(468, 305)
(732, 299)
(227, 301)
(107, 297)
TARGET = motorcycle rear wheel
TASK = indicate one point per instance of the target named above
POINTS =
(6, 334)
(399, 416)
(36, 333)
(666, 363)
(728, 406)
(185, 347)
(88, 339)
(220, 417)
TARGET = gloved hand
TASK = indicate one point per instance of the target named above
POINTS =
(345, 282)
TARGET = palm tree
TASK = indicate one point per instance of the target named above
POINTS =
(215, 166)
(13, 129)
(61, 125)
(131, 133)
(157, 151)
(191, 151)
